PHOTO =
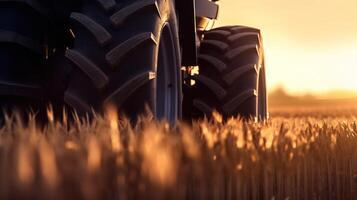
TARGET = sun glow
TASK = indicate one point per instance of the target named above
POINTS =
(310, 46)
(314, 70)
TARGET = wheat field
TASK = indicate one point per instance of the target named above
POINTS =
(297, 154)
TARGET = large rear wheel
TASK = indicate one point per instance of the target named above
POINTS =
(126, 54)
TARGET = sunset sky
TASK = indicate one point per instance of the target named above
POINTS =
(311, 45)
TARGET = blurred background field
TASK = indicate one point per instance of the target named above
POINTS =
(305, 151)
(338, 103)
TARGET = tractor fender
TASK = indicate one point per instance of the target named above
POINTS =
(187, 31)
(188, 12)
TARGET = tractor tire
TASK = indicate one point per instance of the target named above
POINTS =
(231, 77)
(23, 26)
(125, 54)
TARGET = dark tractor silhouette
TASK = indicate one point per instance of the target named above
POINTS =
(132, 54)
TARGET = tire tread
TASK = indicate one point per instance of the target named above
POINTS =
(122, 15)
(16, 38)
(97, 76)
(102, 36)
(121, 94)
(114, 56)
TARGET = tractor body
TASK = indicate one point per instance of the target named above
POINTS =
(194, 17)
(134, 54)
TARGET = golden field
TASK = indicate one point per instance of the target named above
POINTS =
(300, 153)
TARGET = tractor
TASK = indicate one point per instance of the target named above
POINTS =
(134, 54)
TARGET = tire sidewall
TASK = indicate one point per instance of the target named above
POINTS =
(262, 100)
(168, 18)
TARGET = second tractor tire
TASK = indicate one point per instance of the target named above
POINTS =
(231, 77)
